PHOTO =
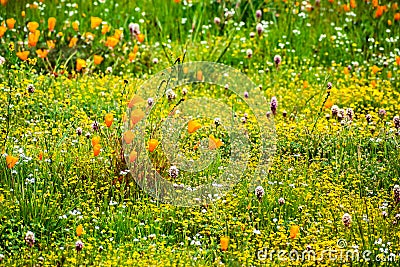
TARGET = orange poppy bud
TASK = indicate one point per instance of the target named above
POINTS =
(96, 150)
(397, 17)
(132, 56)
(305, 84)
(193, 126)
(40, 155)
(132, 156)
(11, 161)
(140, 37)
(10, 23)
(153, 143)
(135, 49)
(294, 230)
(75, 25)
(73, 42)
(79, 230)
(353, 4)
(42, 53)
(3, 30)
(4, 2)
(199, 75)
(398, 60)
(105, 29)
(389, 74)
(23, 55)
(23, 14)
(395, 6)
(80, 63)
(97, 59)
(109, 119)
(95, 22)
(224, 241)
(32, 26)
(51, 22)
(95, 140)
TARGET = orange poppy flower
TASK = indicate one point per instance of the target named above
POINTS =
(136, 116)
(193, 126)
(40, 157)
(346, 70)
(51, 44)
(73, 42)
(33, 38)
(153, 143)
(118, 34)
(214, 142)
(23, 55)
(140, 37)
(95, 140)
(75, 25)
(132, 56)
(23, 14)
(135, 49)
(111, 42)
(224, 242)
(10, 23)
(398, 60)
(11, 161)
(328, 103)
(353, 4)
(373, 83)
(395, 6)
(389, 74)
(51, 22)
(375, 69)
(177, 1)
(132, 156)
(4, 2)
(375, 3)
(389, 22)
(97, 59)
(397, 17)
(96, 150)
(42, 53)
(294, 230)
(346, 8)
(128, 137)
(305, 84)
(105, 29)
(109, 119)
(79, 230)
(80, 63)
(32, 26)
(379, 11)
(95, 22)
(3, 30)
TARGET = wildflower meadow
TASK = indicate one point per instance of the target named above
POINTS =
(199, 133)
